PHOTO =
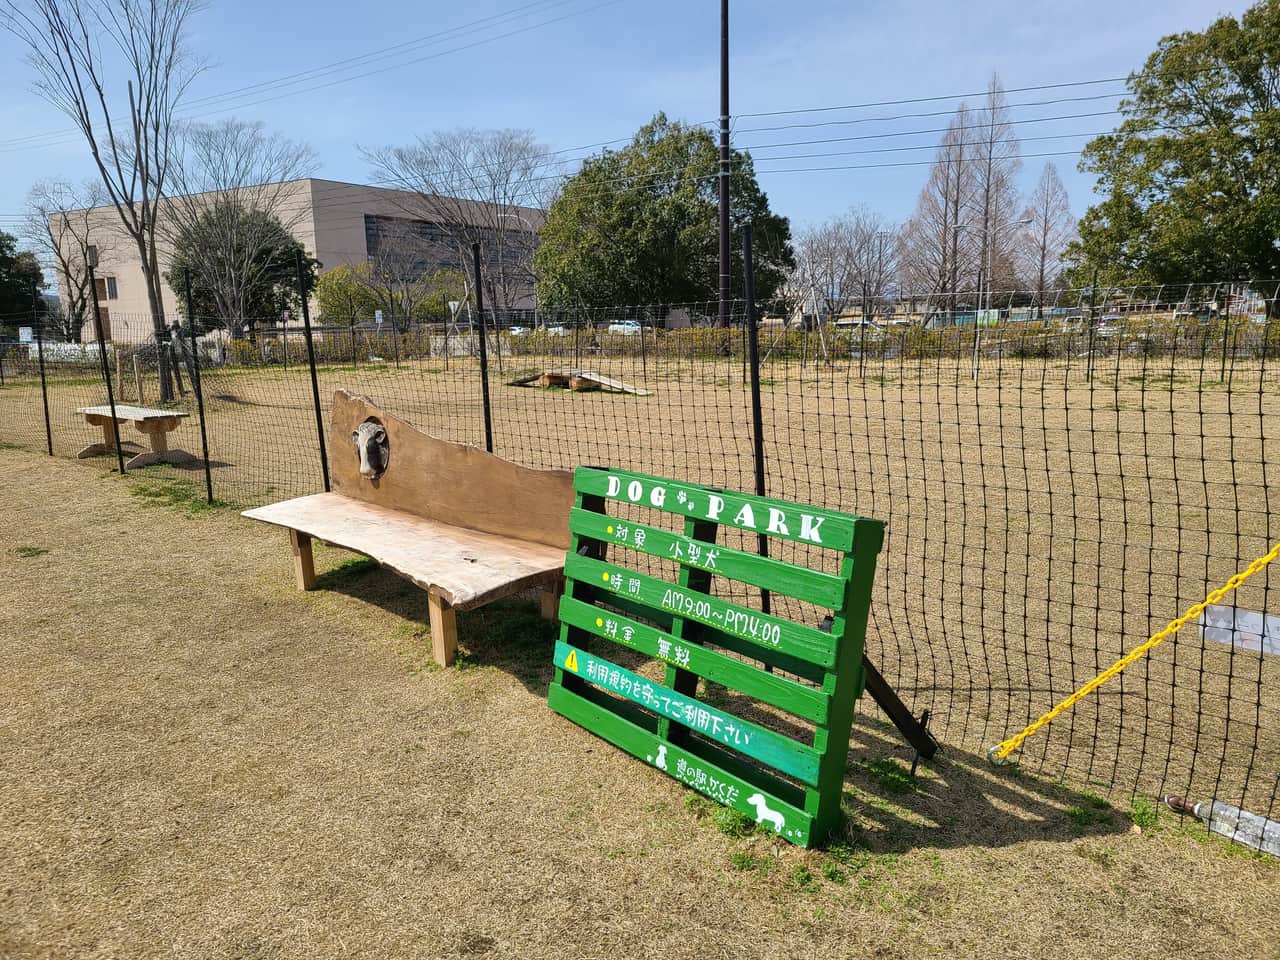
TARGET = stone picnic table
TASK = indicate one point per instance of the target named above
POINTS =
(155, 423)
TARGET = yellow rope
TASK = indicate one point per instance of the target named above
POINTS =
(1000, 752)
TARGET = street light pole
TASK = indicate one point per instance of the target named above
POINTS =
(726, 278)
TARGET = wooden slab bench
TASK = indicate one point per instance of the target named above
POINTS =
(156, 424)
(463, 524)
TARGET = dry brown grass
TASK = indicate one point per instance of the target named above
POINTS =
(1038, 526)
(199, 761)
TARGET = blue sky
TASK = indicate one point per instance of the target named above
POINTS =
(578, 72)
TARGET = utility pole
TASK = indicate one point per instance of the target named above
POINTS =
(726, 278)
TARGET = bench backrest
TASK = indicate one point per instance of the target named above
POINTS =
(791, 784)
(449, 482)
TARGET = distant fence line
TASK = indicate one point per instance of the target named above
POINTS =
(1056, 488)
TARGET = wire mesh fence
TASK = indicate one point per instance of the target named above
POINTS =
(1058, 480)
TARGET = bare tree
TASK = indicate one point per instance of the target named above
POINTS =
(234, 186)
(397, 268)
(81, 50)
(850, 259)
(938, 248)
(60, 226)
(1051, 228)
(823, 276)
(997, 160)
(480, 186)
(874, 251)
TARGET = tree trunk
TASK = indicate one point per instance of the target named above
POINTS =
(155, 303)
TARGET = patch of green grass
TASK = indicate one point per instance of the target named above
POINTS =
(802, 877)
(891, 775)
(1091, 811)
(742, 861)
(733, 823)
(1143, 812)
(833, 872)
(697, 805)
(29, 552)
(9, 446)
(175, 495)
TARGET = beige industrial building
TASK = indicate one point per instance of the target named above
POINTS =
(338, 223)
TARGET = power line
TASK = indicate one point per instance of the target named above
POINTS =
(334, 66)
(914, 133)
(933, 99)
(55, 138)
(931, 113)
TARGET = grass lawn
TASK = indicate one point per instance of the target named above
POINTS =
(199, 761)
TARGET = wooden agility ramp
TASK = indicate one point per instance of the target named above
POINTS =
(577, 381)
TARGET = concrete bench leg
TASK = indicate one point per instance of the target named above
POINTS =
(304, 564)
(444, 630)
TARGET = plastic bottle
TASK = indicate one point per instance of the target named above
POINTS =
(1241, 826)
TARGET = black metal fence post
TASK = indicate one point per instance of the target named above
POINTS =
(106, 369)
(1226, 337)
(38, 323)
(196, 386)
(484, 353)
(757, 412)
(311, 363)
(644, 353)
(1093, 300)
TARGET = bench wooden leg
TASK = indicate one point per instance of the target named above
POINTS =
(444, 630)
(304, 565)
(550, 602)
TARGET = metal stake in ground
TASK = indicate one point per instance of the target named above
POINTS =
(484, 354)
(311, 363)
(91, 261)
(38, 322)
(195, 385)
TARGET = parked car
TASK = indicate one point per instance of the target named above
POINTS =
(629, 328)
(518, 331)
(1109, 325)
(558, 331)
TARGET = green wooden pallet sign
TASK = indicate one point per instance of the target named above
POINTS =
(788, 783)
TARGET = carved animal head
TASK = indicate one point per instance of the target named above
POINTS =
(370, 439)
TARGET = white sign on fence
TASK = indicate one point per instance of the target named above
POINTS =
(377, 317)
(24, 334)
(1246, 629)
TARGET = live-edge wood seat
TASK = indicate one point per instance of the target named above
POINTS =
(468, 527)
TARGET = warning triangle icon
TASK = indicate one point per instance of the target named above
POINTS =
(571, 661)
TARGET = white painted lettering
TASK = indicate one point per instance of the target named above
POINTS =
(809, 528)
(658, 496)
(745, 517)
(778, 522)
(615, 484)
(714, 506)
(635, 491)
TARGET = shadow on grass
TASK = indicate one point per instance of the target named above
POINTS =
(507, 634)
(957, 799)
